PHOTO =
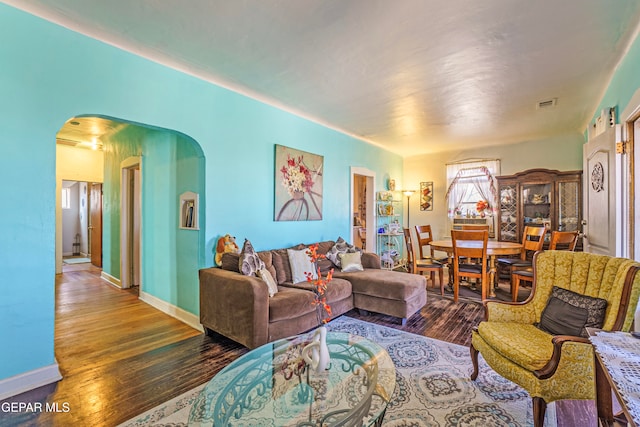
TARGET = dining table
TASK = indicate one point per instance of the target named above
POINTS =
(495, 249)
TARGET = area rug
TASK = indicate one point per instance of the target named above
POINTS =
(432, 386)
(75, 260)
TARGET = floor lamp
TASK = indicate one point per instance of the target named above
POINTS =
(408, 193)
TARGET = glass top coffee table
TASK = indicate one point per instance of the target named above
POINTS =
(272, 386)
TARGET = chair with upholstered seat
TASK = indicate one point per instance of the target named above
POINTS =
(419, 265)
(532, 241)
(560, 240)
(424, 238)
(468, 245)
(540, 344)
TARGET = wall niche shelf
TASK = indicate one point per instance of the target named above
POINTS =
(189, 202)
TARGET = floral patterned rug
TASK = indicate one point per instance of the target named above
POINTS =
(432, 386)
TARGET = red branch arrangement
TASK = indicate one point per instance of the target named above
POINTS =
(320, 285)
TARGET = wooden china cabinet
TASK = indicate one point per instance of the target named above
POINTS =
(537, 197)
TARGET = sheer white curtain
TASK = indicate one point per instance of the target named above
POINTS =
(464, 177)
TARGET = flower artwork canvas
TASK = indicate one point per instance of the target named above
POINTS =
(298, 185)
(426, 196)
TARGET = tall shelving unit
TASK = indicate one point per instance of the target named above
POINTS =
(389, 230)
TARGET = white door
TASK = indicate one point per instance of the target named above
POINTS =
(599, 186)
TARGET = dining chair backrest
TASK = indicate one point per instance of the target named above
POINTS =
(422, 265)
(563, 240)
(425, 236)
(477, 227)
(462, 250)
(409, 244)
(532, 240)
(469, 244)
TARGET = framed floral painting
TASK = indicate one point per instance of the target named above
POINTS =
(426, 196)
(298, 185)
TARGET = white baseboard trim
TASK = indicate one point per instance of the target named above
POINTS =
(20, 383)
(111, 279)
(172, 310)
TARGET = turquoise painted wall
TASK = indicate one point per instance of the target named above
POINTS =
(49, 74)
(625, 82)
(171, 164)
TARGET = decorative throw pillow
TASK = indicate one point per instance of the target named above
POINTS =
(249, 262)
(340, 247)
(351, 262)
(264, 274)
(561, 318)
(230, 262)
(573, 303)
(300, 264)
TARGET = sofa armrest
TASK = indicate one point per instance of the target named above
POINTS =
(234, 305)
(370, 260)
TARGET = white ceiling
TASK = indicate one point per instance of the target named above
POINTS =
(414, 76)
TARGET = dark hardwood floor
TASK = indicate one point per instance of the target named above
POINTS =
(120, 357)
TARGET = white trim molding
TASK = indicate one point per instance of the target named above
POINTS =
(172, 310)
(26, 381)
(111, 279)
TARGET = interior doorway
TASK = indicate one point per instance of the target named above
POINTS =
(131, 223)
(75, 222)
(95, 224)
(362, 208)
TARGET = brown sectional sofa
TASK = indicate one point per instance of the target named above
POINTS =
(239, 306)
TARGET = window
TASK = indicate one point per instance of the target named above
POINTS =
(66, 198)
(471, 182)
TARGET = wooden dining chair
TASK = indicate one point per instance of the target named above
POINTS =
(467, 245)
(560, 240)
(424, 238)
(419, 265)
(532, 242)
(475, 227)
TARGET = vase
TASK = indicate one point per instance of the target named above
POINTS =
(297, 195)
(316, 353)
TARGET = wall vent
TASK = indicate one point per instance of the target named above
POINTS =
(547, 103)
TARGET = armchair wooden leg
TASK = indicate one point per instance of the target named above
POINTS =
(441, 277)
(474, 361)
(539, 408)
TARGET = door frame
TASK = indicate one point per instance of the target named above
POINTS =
(370, 211)
(127, 168)
(627, 140)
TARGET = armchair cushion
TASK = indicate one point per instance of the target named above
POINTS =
(523, 344)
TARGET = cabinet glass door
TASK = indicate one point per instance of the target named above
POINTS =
(508, 214)
(536, 204)
(568, 206)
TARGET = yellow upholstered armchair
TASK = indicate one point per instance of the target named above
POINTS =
(555, 367)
